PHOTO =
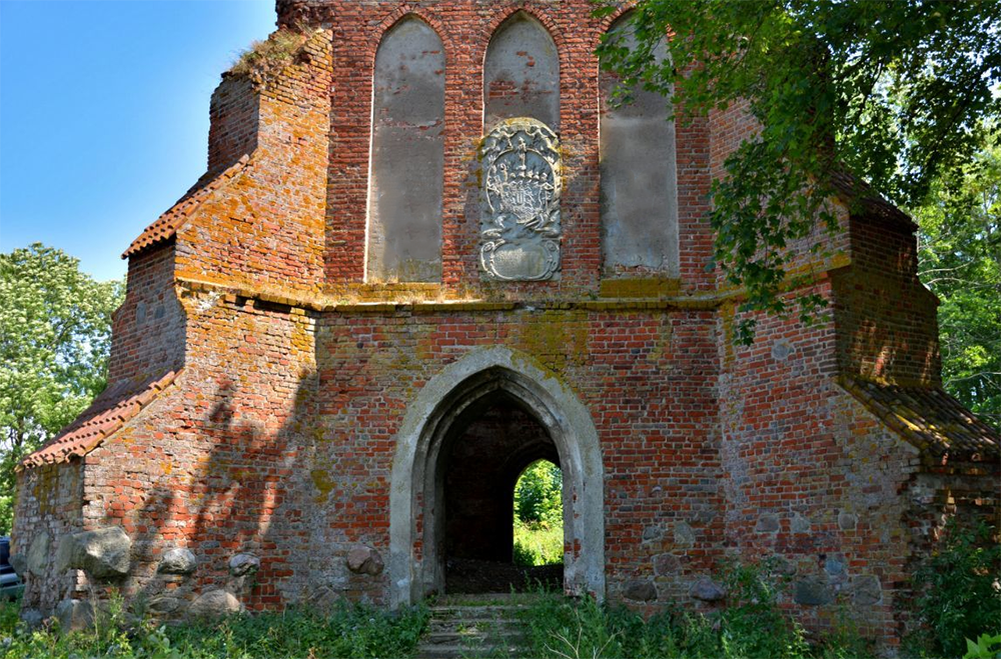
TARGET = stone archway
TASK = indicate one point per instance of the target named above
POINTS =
(416, 557)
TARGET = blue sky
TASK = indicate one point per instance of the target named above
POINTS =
(104, 114)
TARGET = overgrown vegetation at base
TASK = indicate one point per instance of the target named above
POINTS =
(959, 594)
(753, 626)
(958, 606)
(348, 631)
(562, 628)
(537, 544)
(959, 611)
(538, 515)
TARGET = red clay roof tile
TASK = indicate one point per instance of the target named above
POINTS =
(109, 412)
(166, 226)
(927, 417)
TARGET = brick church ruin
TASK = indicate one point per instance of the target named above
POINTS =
(428, 252)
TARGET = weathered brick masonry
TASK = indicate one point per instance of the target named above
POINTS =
(271, 399)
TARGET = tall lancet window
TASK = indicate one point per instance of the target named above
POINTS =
(407, 161)
(521, 74)
(639, 178)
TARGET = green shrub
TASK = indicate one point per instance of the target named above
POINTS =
(957, 591)
(752, 625)
(986, 647)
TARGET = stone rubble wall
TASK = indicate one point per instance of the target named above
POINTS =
(47, 509)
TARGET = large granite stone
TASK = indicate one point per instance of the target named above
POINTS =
(74, 615)
(707, 590)
(812, 592)
(866, 590)
(640, 591)
(767, 523)
(20, 564)
(38, 554)
(215, 604)
(102, 553)
(177, 561)
(684, 536)
(664, 564)
(243, 565)
(163, 605)
(365, 560)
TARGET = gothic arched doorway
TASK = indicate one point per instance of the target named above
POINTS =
(481, 386)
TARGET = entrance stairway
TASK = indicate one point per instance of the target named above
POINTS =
(481, 625)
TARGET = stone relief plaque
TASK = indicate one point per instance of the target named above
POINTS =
(520, 230)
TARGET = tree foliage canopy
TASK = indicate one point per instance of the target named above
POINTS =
(538, 494)
(55, 335)
(893, 92)
(960, 256)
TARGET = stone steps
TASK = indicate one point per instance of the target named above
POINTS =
(465, 627)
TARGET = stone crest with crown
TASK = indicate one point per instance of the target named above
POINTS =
(521, 226)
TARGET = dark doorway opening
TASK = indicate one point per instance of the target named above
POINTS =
(492, 446)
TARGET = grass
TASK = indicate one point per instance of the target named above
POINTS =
(537, 543)
(348, 631)
(563, 628)
(265, 59)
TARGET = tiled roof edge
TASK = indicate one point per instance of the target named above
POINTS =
(860, 196)
(941, 426)
(166, 226)
(111, 410)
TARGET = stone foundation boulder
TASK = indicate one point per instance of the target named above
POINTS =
(243, 565)
(365, 560)
(103, 553)
(177, 561)
(74, 615)
(215, 604)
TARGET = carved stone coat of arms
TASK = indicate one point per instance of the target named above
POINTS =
(520, 231)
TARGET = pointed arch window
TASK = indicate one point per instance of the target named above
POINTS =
(407, 156)
(639, 180)
(521, 74)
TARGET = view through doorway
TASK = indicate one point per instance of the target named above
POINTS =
(503, 502)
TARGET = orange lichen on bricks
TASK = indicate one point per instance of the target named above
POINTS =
(165, 227)
(109, 412)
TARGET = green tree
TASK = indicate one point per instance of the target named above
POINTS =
(960, 260)
(538, 494)
(55, 335)
(892, 92)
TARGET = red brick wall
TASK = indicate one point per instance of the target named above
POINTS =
(810, 478)
(465, 29)
(887, 323)
(208, 464)
(279, 435)
(148, 330)
(267, 228)
(234, 122)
